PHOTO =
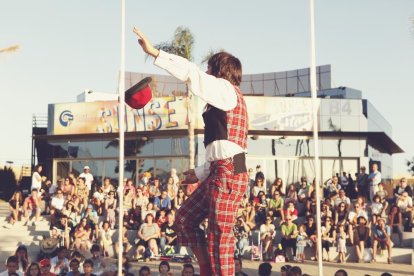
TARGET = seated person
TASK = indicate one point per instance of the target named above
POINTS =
(98, 263)
(383, 194)
(405, 204)
(148, 235)
(60, 229)
(377, 208)
(162, 218)
(381, 234)
(395, 222)
(11, 267)
(326, 212)
(162, 202)
(332, 186)
(59, 263)
(88, 268)
(362, 234)
(149, 210)
(169, 235)
(32, 205)
(15, 207)
(342, 218)
(92, 218)
(328, 236)
(154, 189)
(342, 198)
(57, 204)
(291, 211)
(310, 229)
(45, 268)
(303, 190)
(248, 215)
(81, 194)
(291, 195)
(403, 187)
(311, 204)
(82, 235)
(267, 234)
(357, 212)
(105, 238)
(258, 187)
(276, 205)
(74, 265)
(241, 233)
(289, 232)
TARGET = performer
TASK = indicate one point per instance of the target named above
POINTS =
(224, 176)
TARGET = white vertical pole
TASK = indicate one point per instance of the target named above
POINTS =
(315, 133)
(121, 122)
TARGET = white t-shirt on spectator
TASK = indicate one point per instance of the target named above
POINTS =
(88, 179)
(267, 229)
(353, 214)
(58, 203)
(376, 208)
(345, 200)
(404, 204)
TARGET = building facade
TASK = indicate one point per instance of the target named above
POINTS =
(352, 132)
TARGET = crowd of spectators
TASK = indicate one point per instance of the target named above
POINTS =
(83, 215)
(356, 212)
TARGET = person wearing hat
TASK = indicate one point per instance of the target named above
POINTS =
(88, 178)
(361, 237)
(45, 268)
(224, 175)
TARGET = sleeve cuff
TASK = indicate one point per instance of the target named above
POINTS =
(161, 59)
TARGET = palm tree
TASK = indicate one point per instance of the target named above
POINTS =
(182, 45)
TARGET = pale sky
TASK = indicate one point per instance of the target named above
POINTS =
(70, 46)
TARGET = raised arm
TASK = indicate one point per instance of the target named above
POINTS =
(217, 92)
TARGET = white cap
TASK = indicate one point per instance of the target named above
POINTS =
(86, 168)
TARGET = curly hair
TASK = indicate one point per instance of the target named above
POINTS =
(226, 66)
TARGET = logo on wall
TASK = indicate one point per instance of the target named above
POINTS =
(65, 118)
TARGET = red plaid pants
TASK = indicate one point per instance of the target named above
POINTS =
(217, 198)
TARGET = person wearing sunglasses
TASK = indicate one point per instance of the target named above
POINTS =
(289, 232)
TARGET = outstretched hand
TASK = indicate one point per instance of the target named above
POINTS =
(145, 43)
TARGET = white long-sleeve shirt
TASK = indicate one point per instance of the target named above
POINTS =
(217, 92)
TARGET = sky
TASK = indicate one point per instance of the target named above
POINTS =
(69, 46)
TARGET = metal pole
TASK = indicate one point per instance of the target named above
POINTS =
(315, 107)
(121, 124)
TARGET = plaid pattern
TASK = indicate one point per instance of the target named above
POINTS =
(237, 122)
(217, 198)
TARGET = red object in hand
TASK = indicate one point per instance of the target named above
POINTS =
(140, 94)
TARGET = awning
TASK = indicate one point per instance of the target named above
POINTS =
(378, 140)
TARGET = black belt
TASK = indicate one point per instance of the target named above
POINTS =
(239, 163)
